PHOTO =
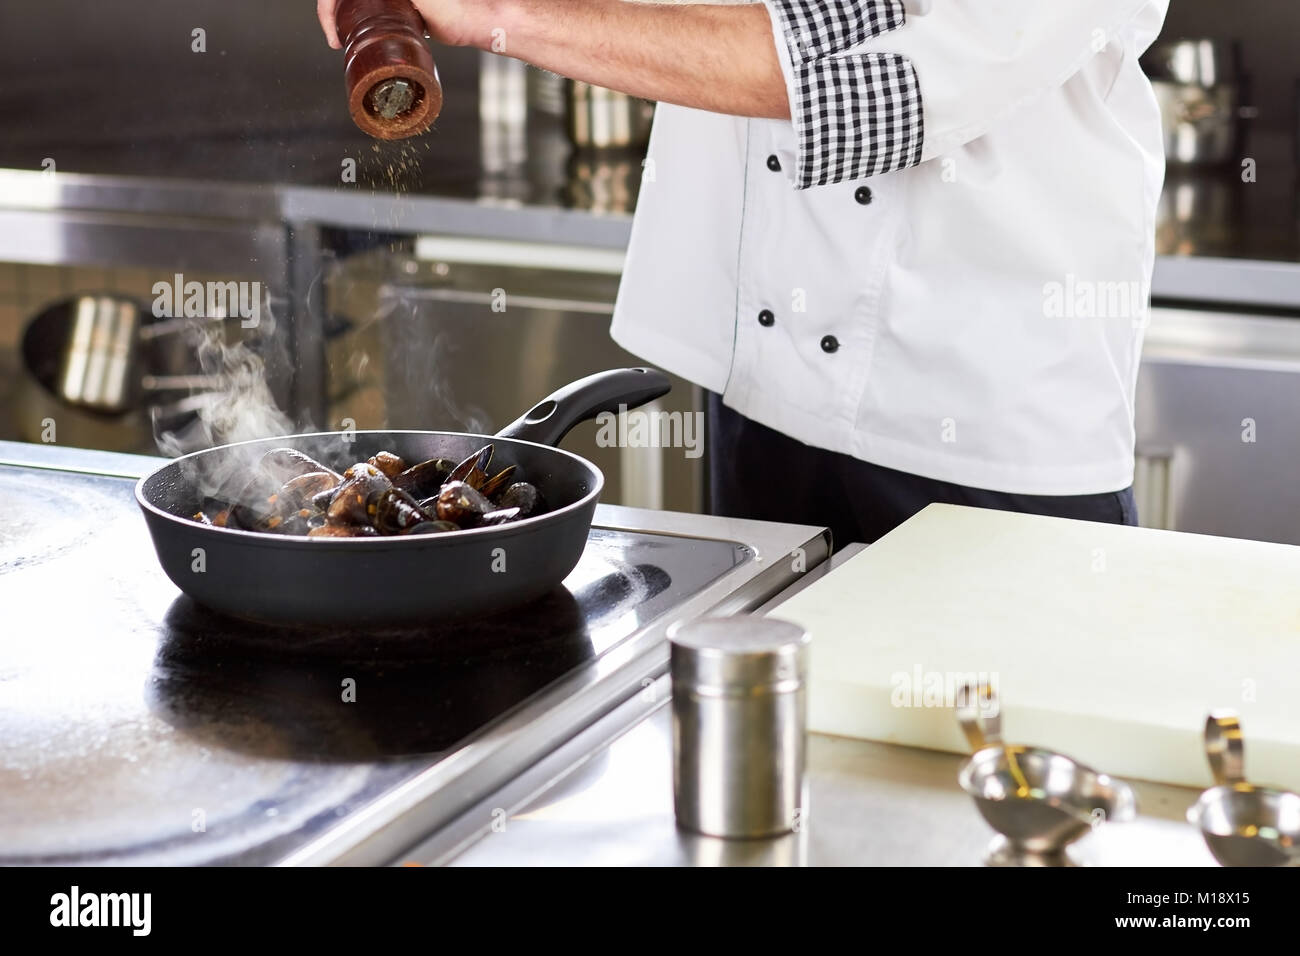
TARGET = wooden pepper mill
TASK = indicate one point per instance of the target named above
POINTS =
(392, 83)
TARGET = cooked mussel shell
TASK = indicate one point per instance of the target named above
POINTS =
(297, 523)
(424, 479)
(254, 513)
(321, 500)
(390, 464)
(431, 527)
(498, 482)
(362, 484)
(393, 511)
(474, 469)
(256, 503)
(501, 516)
(285, 514)
(282, 464)
(331, 530)
(304, 489)
(523, 496)
(290, 492)
(462, 505)
(263, 504)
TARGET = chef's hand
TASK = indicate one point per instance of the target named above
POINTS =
(449, 22)
(718, 57)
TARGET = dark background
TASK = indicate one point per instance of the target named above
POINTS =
(112, 87)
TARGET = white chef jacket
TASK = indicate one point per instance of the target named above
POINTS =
(927, 266)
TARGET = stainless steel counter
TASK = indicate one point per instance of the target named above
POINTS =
(869, 804)
(425, 781)
(565, 721)
(600, 791)
(605, 798)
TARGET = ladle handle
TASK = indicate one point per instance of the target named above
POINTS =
(980, 715)
(1224, 748)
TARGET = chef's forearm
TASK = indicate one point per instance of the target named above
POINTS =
(710, 57)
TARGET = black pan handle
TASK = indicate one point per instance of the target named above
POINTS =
(550, 420)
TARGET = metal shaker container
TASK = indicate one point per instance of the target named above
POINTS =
(739, 716)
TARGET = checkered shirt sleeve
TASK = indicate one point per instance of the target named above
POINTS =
(855, 114)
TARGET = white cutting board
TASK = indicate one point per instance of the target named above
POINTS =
(1104, 642)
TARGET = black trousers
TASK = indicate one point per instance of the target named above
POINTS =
(756, 472)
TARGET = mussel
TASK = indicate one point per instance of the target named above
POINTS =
(431, 527)
(461, 504)
(255, 513)
(501, 516)
(291, 509)
(474, 469)
(282, 464)
(329, 530)
(305, 488)
(391, 465)
(275, 490)
(321, 500)
(498, 482)
(362, 483)
(393, 511)
(424, 480)
(291, 493)
(300, 522)
(520, 495)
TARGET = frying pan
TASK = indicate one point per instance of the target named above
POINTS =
(286, 579)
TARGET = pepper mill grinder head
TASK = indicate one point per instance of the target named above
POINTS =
(392, 84)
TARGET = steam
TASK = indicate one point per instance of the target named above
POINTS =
(417, 355)
(398, 373)
(242, 408)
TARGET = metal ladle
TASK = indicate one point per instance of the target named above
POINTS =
(1243, 825)
(1038, 801)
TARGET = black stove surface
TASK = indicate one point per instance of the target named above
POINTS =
(138, 727)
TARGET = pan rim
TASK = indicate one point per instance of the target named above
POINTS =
(383, 542)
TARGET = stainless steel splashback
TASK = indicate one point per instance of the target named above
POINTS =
(1217, 433)
(426, 342)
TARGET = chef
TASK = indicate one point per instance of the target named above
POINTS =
(905, 245)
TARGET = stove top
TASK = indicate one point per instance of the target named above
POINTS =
(138, 727)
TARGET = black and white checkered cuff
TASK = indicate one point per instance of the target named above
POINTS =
(856, 116)
(817, 28)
